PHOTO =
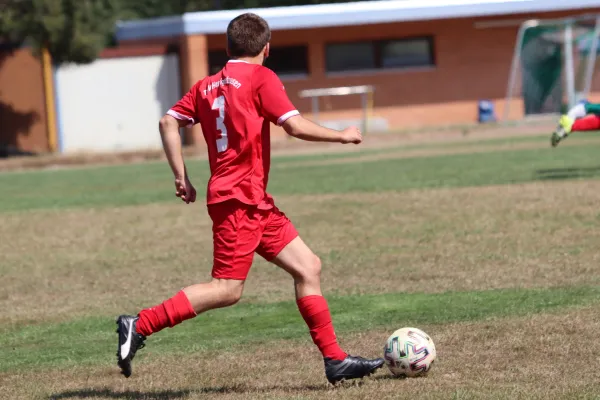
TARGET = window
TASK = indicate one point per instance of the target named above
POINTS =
(288, 61)
(216, 61)
(407, 53)
(350, 56)
(383, 54)
(285, 61)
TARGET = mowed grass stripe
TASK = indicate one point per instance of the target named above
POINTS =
(91, 340)
(151, 182)
(396, 145)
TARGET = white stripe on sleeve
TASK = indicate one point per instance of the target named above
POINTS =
(287, 116)
(182, 117)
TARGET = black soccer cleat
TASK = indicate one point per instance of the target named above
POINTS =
(129, 342)
(350, 367)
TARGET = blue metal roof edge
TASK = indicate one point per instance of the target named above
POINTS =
(150, 28)
(343, 14)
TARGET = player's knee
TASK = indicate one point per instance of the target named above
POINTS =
(230, 291)
(312, 269)
(234, 294)
(233, 297)
(316, 268)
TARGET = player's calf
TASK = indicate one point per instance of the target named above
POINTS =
(186, 304)
(305, 267)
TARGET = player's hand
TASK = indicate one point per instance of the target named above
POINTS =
(185, 190)
(351, 135)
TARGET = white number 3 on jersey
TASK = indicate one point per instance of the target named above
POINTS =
(222, 142)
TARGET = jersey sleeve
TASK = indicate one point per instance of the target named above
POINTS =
(273, 100)
(185, 109)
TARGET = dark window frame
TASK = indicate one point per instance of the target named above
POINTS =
(357, 42)
(303, 72)
(222, 54)
(430, 40)
(377, 48)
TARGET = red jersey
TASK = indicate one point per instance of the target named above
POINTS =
(235, 108)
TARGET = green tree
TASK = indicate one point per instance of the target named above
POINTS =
(77, 30)
(72, 30)
(139, 9)
(236, 4)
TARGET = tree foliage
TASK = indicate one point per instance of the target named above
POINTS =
(77, 30)
(72, 30)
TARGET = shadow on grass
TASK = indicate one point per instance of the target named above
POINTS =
(243, 389)
(388, 377)
(179, 394)
(568, 173)
(114, 394)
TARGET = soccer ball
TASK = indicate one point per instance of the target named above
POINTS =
(409, 352)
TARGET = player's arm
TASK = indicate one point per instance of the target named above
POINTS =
(171, 140)
(304, 129)
(179, 116)
(276, 106)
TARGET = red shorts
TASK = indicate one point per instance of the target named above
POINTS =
(588, 123)
(240, 230)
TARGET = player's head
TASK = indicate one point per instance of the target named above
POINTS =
(248, 35)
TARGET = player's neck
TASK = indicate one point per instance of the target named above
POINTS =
(252, 60)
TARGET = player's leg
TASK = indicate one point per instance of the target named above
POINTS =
(235, 240)
(589, 123)
(187, 303)
(575, 120)
(282, 246)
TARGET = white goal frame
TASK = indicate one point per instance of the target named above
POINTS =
(572, 96)
(366, 92)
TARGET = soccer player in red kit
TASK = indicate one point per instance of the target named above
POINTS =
(235, 108)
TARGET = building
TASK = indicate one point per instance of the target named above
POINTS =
(430, 62)
(23, 116)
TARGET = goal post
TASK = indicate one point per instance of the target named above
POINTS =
(553, 64)
(366, 94)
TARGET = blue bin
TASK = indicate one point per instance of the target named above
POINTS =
(486, 111)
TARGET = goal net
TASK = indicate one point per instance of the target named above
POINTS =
(553, 64)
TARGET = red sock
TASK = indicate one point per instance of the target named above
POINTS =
(315, 312)
(169, 313)
(589, 123)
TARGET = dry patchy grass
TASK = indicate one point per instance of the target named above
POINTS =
(539, 357)
(67, 263)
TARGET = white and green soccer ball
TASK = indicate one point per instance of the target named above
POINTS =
(409, 352)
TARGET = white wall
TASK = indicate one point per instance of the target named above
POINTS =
(115, 104)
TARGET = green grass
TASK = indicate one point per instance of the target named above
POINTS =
(91, 340)
(459, 242)
(151, 182)
(466, 143)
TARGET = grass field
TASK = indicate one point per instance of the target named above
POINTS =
(490, 246)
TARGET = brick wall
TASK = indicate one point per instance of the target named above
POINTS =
(471, 64)
(22, 106)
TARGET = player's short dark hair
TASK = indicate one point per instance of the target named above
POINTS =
(247, 35)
